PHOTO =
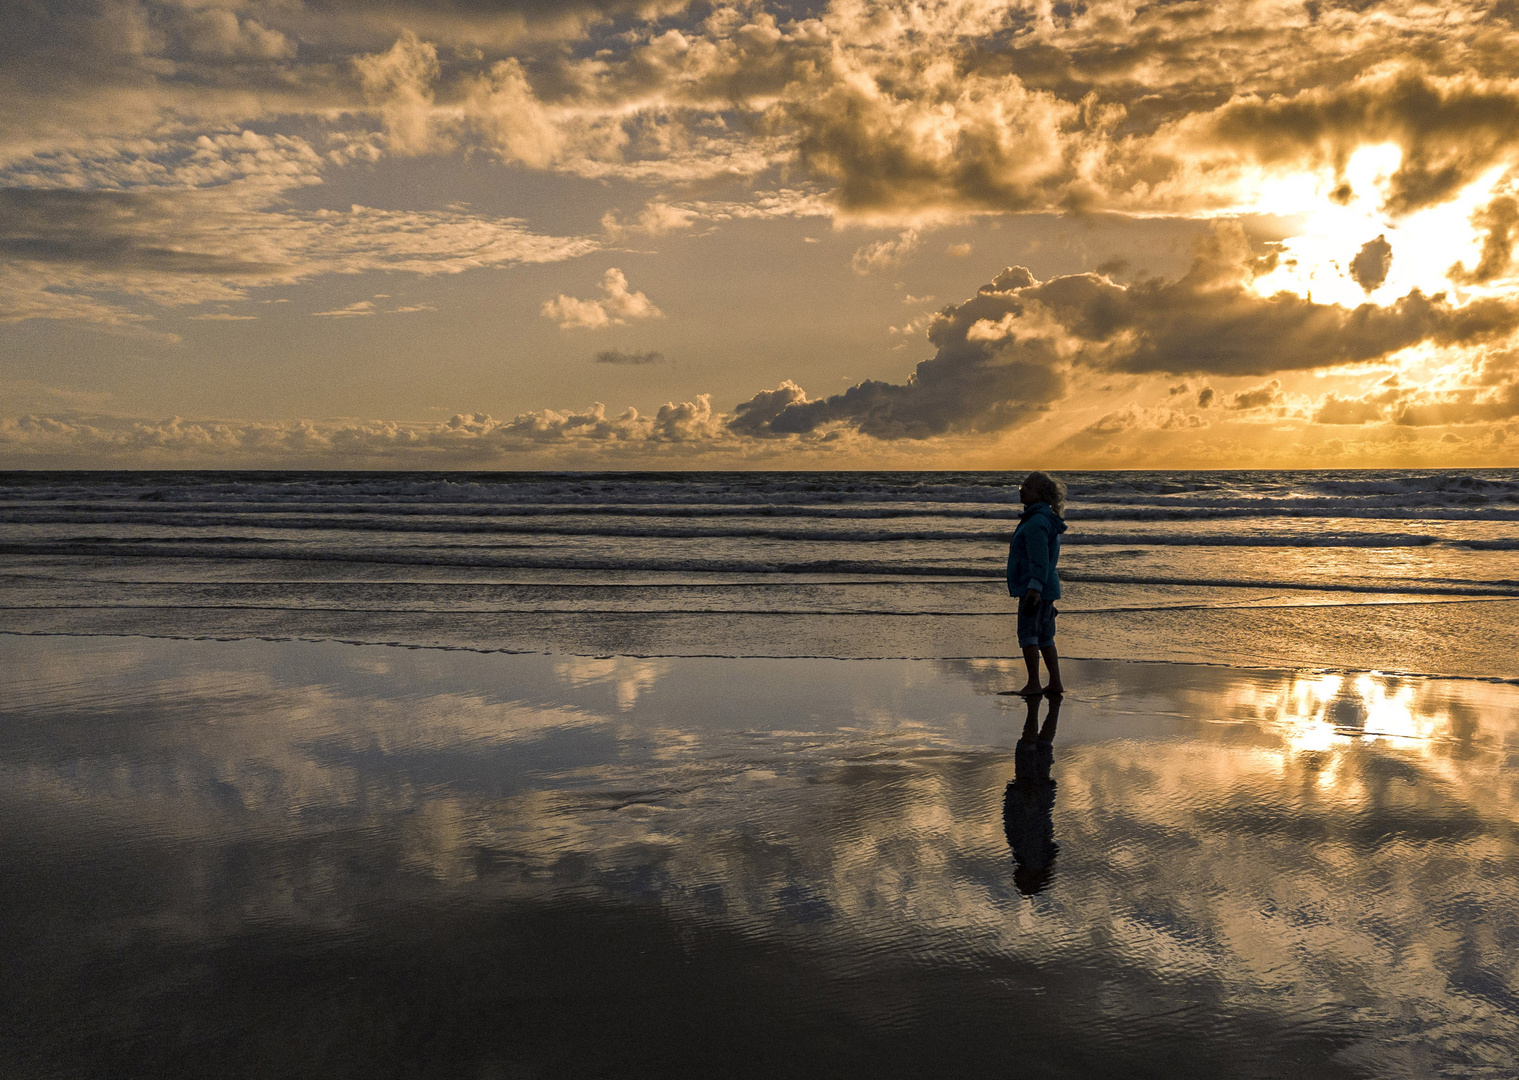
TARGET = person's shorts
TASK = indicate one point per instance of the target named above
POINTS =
(1038, 626)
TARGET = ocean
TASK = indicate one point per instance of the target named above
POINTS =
(1395, 571)
(690, 775)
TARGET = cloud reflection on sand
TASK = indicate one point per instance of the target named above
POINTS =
(1323, 853)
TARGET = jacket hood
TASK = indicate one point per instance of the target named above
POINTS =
(1045, 508)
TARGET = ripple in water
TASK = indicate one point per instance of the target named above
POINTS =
(314, 859)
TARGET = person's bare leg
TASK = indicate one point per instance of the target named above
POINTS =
(1031, 661)
(1051, 661)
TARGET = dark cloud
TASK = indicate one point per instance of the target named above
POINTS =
(113, 35)
(1008, 352)
(993, 146)
(1498, 218)
(109, 230)
(1257, 397)
(977, 381)
(1370, 266)
(755, 416)
(251, 30)
(1210, 321)
(519, 9)
(73, 69)
(1451, 129)
(617, 356)
(482, 19)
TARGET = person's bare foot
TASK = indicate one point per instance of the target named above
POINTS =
(1029, 690)
(1053, 690)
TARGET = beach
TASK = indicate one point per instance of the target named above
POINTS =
(291, 788)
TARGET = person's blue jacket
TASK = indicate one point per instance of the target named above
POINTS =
(1035, 550)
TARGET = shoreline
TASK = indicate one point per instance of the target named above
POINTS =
(480, 650)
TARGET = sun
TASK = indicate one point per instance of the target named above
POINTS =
(1340, 215)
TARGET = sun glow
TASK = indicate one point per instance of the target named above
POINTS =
(1342, 214)
(1319, 713)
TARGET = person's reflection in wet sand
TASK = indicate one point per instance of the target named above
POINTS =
(1029, 802)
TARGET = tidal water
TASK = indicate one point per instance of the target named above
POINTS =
(291, 859)
(617, 775)
(1408, 571)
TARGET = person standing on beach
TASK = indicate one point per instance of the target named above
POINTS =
(1031, 576)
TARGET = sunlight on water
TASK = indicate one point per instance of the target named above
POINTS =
(1322, 713)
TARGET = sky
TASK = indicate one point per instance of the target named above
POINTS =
(653, 234)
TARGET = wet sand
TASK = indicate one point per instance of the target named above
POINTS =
(252, 858)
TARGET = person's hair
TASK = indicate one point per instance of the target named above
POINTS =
(1045, 488)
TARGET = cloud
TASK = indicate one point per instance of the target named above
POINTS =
(653, 107)
(132, 233)
(617, 356)
(464, 437)
(1337, 410)
(220, 33)
(1136, 417)
(1486, 391)
(1257, 397)
(899, 109)
(756, 416)
(74, 254)
(252, 167)
(1011, 351)
(655, 219)
(973, 383)
(400, 81)
(1499, 219)
(358, 309)
(1211, 321)
(686, 422)
(904, 110)
(167, 155)
(1369, 267)
(25, 294)
(619, 306)
(931, 138)
(1450, 129)
(884, 254)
